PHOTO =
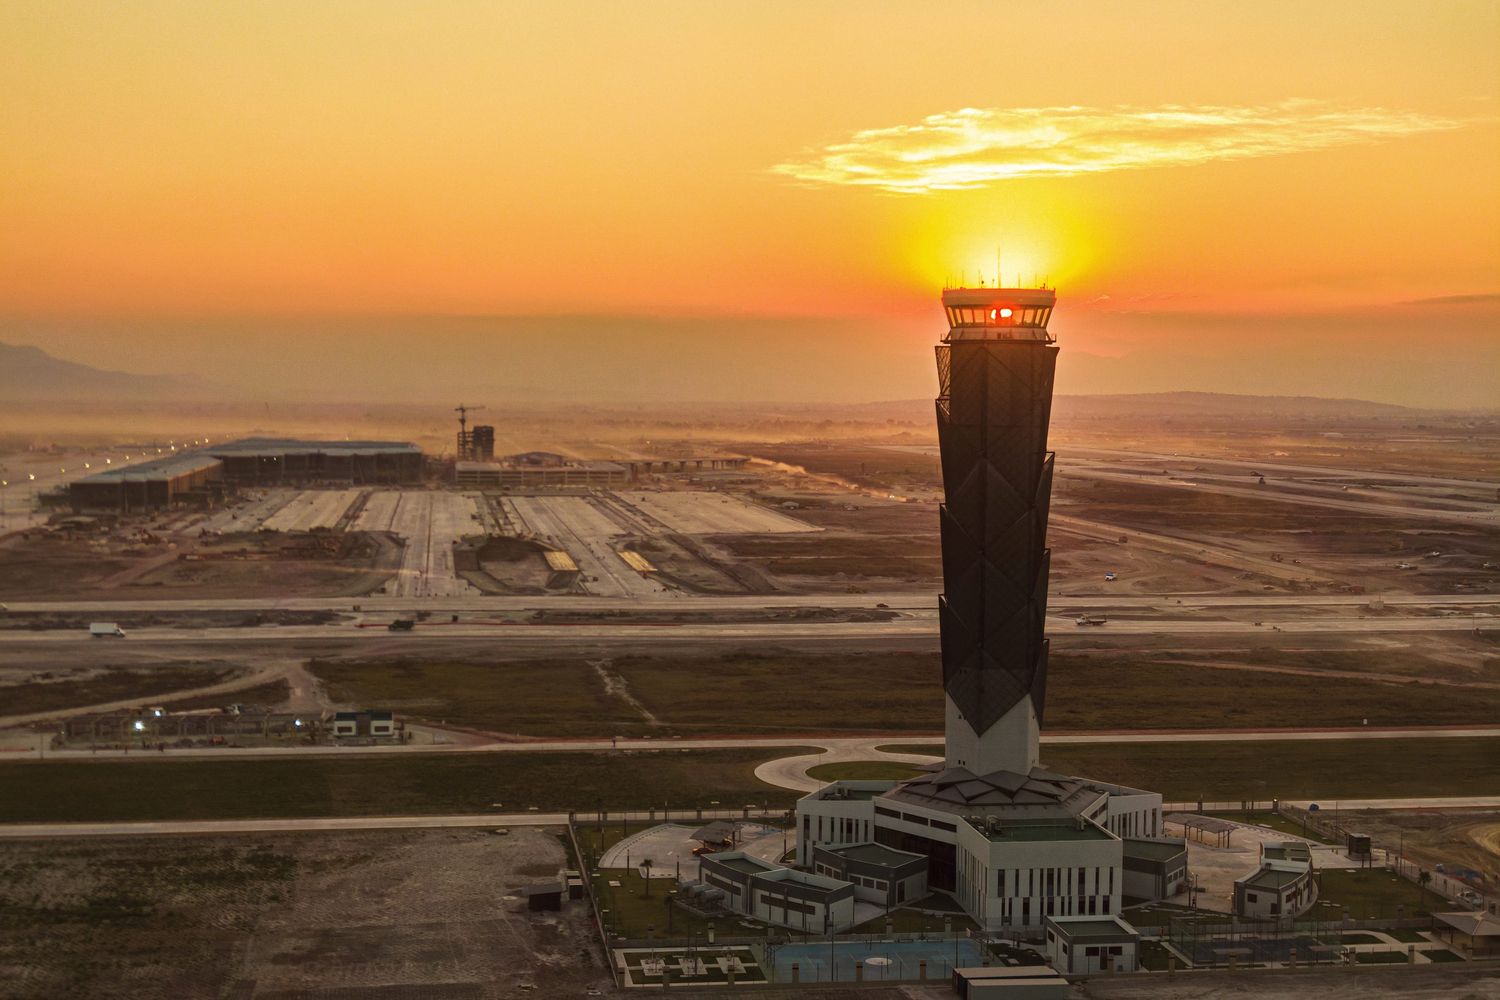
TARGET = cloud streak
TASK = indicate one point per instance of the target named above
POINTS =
(978, 147)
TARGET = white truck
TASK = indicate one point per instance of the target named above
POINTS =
(106, 630)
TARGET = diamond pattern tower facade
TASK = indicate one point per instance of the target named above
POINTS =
(995, 372)
(1016, 846)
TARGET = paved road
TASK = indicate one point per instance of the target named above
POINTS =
(32, 831)
(791, 772)
(846, 747)
(1194, 549)
(915, 624)
(924, 600)
(1317, 470)
(17, 831)
(1484, 517)
(585, 532)
(1459, 802)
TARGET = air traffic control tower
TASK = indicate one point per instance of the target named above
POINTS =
(995, 369)
(1013, 843)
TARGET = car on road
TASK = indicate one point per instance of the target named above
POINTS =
(402, 625)
(106, 630)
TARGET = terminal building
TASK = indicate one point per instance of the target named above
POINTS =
(1012, 842)
(203, 475)
(540, 468)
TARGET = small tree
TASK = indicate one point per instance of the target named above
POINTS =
(1424, 878)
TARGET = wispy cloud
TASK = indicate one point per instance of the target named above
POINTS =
(977, 147)
(1474, 299)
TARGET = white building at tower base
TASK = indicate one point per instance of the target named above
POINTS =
(1011, 849)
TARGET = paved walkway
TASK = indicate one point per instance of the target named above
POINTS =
(17, 831)
(18, 742)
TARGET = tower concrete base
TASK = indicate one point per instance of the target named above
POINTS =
(1008, 745)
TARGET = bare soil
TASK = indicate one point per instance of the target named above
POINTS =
(385, 914)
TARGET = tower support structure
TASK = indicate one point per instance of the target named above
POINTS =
(995, 371)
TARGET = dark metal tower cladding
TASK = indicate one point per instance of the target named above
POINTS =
(995, 371)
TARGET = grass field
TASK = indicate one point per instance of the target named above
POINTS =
(378, 786)
(1260, 771)
(111, 684)
(863, 770)
(529, 697)
(688, 695)
(267, 695)
(1367, 893)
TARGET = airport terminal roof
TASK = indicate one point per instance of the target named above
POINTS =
(582, 464)
(167, 467)
(280, 446)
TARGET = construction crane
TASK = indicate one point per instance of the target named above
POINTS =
(465, 445)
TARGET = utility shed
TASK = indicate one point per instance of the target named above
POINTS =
(1023, 982)
(542, 897)
(1081, 946)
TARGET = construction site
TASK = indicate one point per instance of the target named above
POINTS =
(737, 614)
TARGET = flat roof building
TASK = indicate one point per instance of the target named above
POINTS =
(879, 874)
(203, 475)
(776, 895)
(538, 473)
(1081, 946)
(1283, 885)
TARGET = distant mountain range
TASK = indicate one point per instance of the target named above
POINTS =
(30, 373)
(1219, 404)
(1164, 405)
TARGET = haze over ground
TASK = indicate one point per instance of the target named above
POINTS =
(680, 201)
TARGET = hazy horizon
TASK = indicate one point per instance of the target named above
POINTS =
(1440, 355)
(380, 201)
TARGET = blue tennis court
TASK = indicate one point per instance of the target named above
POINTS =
(894, 960)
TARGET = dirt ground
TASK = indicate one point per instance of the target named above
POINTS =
(62, 566)
(1419, 983)
(390, 914)
(1455, 838)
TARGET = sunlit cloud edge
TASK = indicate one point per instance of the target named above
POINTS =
(978, 147)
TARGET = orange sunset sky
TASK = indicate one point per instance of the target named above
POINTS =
(1258, 197)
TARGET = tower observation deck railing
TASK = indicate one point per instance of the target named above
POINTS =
(998, 314)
